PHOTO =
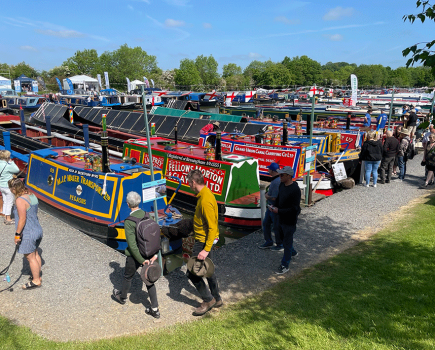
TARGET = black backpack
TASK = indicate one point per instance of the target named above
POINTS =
(147, 235)
(409, 152)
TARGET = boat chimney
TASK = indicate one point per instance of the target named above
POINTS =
(284, 133)
(348, 121)
(176, 134)
(23, 123)
(104, 146)
(308, 129)
(7, 140)
(218, 146)
(86, 135)
(48, 126)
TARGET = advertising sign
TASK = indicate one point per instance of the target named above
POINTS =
(153, 189)
(17, 85)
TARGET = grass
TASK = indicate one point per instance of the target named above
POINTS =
(377, 295)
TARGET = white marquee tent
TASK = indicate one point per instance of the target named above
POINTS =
(5, 83)
(136, 84)
(82, 82)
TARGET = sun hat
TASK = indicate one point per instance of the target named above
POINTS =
(273, 166)
(150, 273)
(286, 170)
(200, 268)
(216, 123)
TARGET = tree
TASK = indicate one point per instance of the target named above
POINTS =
(275, 75)
(237, 82)
(23, 68)
(421, 52)
(187, 76)
(207, 69)
(253, 71)
(231, 69)
(305, 70)
(84, 62)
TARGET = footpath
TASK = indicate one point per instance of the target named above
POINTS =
(79, 273)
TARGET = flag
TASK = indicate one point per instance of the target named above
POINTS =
(152, 82)
(354, 86)
(70, 84)
(99, 80)
(59, 84)
(106, 78)
(128, 85)
(146, 82)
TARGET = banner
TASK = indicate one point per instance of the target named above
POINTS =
(59, 84)
(17, 85)
(34, 86)
(152, 82)
(146, 82)
(99, 81)
(354, 86)
(70, 84)
(128, 85)
(106, 78)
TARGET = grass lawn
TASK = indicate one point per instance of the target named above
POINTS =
(377, 295)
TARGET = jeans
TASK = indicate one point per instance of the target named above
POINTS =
(372, 167)
(287, 232)
(402, 167)
(212, 291)
(387, 166)
(131, 266)
(271, 220)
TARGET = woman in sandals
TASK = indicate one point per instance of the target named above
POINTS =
(28, 230)
(7, 170)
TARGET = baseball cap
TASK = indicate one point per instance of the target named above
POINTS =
(286, 170)
(273, 166)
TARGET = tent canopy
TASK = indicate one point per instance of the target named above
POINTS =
(25, 80)
(82, 82)
(79, 79)
(5, 83)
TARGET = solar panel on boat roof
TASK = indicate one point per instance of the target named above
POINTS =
(139, 125)
(183, 126)
(113, 118)
(251, 129)
(166, 128)
(158, 120)
(129, 122)
(195, 128)
(230, 127)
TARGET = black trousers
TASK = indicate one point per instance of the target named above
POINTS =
(212, 291)
(131, 266)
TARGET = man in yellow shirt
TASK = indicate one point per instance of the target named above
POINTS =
(205, 227)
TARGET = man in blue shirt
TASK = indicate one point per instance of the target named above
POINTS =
(271, 219)
(381, 121)
(367, 119)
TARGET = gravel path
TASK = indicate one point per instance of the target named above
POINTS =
(79, 273)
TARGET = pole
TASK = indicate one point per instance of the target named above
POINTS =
(308, 178)
(48, 126)
(86, 135)
(150, 157)
(104, 146)
(176, 134)
(391, 108)
(284, 133)
(23, 123)
(218, 155)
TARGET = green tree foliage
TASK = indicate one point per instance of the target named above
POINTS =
(305, 70)
(231, 69)
(254, 70)
(237, 82)
(187, 76)
(84, 62)
(23, 68)
(207, 68)
(421, 52)
(274, 75)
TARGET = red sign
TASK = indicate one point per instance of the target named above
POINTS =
(347, 102)
(214, 178)
(157, 160)
(348, 138)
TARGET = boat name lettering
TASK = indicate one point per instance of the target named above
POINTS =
(194, 161)
(265, 151)
(77, 199)
(95, 187)
(83, 173)
(67, 178)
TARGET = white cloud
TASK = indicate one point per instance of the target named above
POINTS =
(206, 25)
(130, 7)
(66, 33)
(28, 48)
(337, 13)
(333, 37)
(182, 34)
(174, 23)
(285, 20)
(254, 55)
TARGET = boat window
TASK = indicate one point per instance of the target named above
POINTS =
(50, 180)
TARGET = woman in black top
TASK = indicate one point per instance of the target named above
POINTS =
(371, 153)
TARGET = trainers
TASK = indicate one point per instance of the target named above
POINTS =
(282, 269)
(219, 303)
(367, 185)
(150, 311)
(277, 248)
(116, 295)
(294, 253)
(374, 185)
(266, 245)
(204, 307)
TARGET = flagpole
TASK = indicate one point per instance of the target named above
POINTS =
(391, 107)
(307, 177)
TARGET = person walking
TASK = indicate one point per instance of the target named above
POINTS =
(429, 159)
(371, 153)
(401, 157)
(134, 259)
(28, 231)
(7, 170)
(367, 118)
(389, 152)
(288, 208)
(206, 233)
(271, 219)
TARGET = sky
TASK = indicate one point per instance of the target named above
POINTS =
(46, 33)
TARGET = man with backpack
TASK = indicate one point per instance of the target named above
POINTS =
(143, 239)
(405, 152)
